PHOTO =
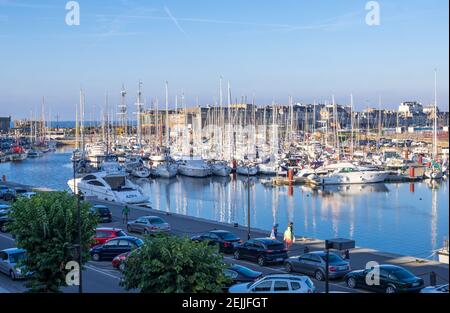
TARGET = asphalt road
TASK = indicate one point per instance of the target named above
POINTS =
(101, 277)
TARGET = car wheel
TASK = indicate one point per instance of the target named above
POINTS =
(146, 231)
(96, 257)
(122, 266)
(391, 289)
(129, 229)
(3, 229)
(12, 275)
(351, 282)
(261, 261)
(237, 255)
(319, 275)
(288, 267)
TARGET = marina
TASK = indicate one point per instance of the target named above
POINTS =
(403, 218)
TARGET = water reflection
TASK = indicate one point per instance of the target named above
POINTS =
(391, 217)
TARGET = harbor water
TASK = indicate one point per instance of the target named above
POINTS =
(402, 218)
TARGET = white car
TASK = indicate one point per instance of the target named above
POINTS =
(277, 283)
(435, 289)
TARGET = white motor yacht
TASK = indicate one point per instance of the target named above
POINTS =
(165, 170)
(348, 173)
(109, 186)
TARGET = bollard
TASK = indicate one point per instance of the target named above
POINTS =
(4, 178)
(411, 172)
(290, 190)
(291, 175)
(433, 279)
(411, 187)
(420, 159)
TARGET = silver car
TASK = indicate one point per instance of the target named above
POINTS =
(10, 260)
(313, 263)
(148, 225)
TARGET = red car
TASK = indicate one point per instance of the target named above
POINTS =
(104, 234)
(119, 261)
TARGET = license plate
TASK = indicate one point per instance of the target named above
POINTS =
(342, 268)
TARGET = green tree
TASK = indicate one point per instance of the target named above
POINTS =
(170, 264)
(47, 227)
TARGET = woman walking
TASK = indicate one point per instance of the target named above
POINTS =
(289, 237)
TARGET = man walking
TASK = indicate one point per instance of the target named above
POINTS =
(125, 212)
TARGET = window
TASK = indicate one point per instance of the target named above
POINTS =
(120, 234)
(125, 244)
(102, 234)
(3, 256)
(111, 243)
(228, 236)
(213, 236)
(156, 221)
(89, 177)
(263, 286)
(281, 285)
(230, 273)
(295, 285)
(314, 258)
(95, 183)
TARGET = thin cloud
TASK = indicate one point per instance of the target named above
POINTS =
(175, 21)
(17, 4)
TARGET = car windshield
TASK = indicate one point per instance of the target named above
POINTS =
(16, 257)
(120, 234)
(227, 236)
(245, 271)
(275, 246)
(333, 258)
(402, 274)
(156, 221)
(102, 210)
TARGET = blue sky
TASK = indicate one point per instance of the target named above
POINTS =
(273, 49)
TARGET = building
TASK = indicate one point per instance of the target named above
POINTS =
(5, 123)
(410, 108)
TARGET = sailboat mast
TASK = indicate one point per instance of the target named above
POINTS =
(167, 116)
(435, 152)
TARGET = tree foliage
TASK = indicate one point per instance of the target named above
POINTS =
(47, 227)
(170, 264)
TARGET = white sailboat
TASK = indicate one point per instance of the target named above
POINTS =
(435, 170)
(194, 168)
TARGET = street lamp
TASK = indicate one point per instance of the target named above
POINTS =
(77, 194)
(248, 203)
(336, 244)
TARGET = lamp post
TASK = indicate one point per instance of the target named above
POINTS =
(248, 203)
(77, 194)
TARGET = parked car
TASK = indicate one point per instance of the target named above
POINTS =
(393, 279)
(114, 247)
(241, 274)
(103, 234)
(277, 283)
(119, 261)
(435, 289)
(314, 263)
(7, 193)
(27, 195)
(148, 225)
(10, 260)
(225, 240)
(4, 217)
(262, 250)
(103, 212)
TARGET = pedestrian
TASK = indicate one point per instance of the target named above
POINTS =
(289, 236)
(306, 250)
(347, 255)
(125, 212)
(274, 233)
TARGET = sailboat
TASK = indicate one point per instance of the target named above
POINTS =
(435, 170)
